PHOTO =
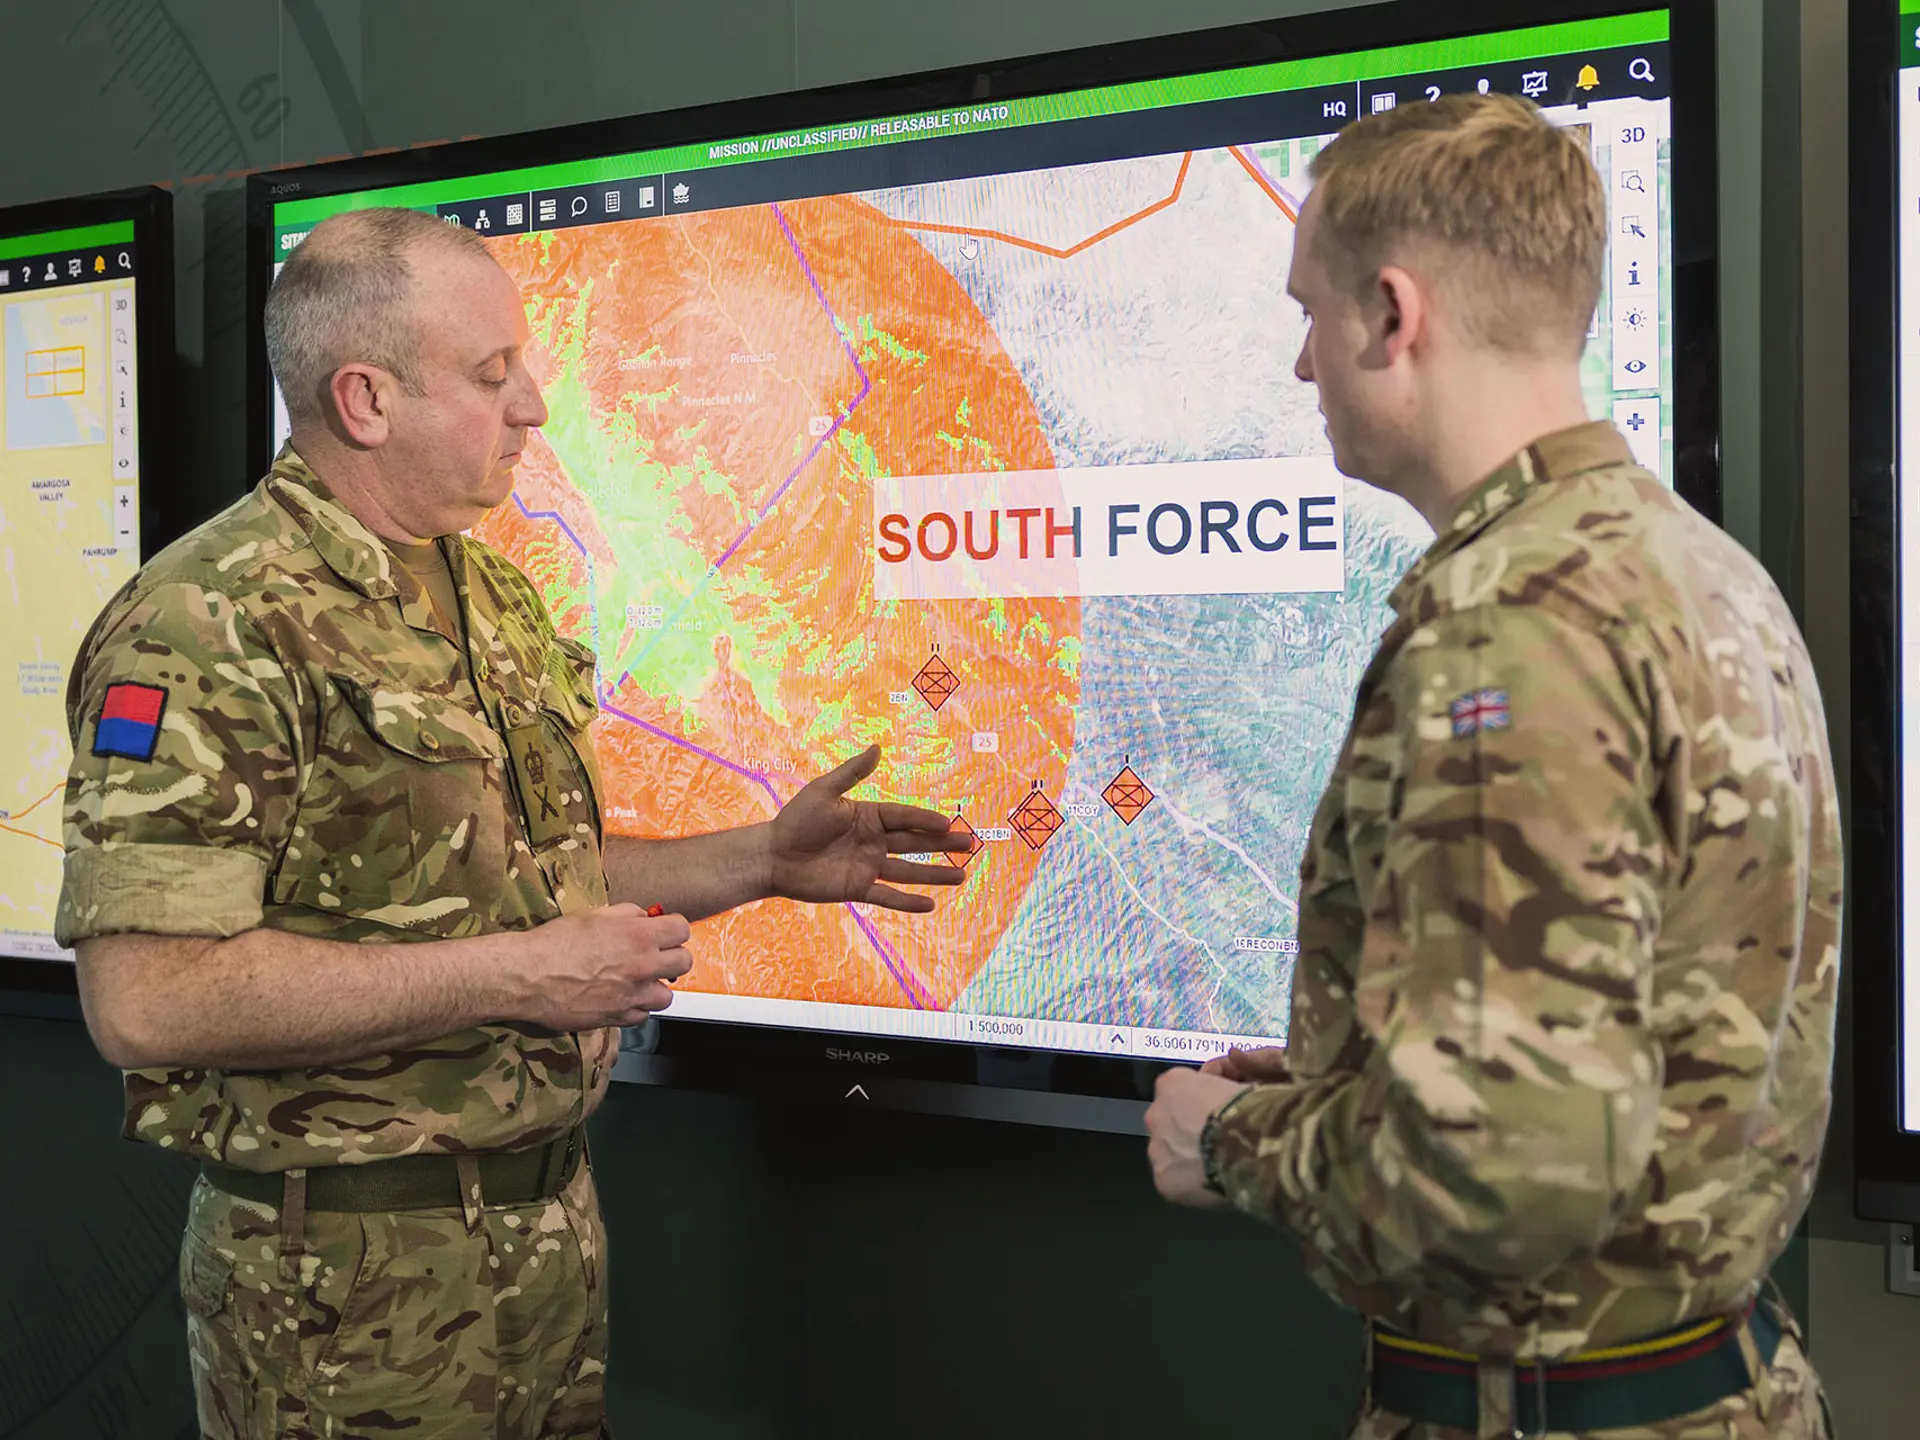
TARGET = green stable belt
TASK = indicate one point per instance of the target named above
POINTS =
(1659, 1379)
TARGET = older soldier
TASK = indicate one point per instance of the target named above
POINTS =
(337, 881)
(1569, 911)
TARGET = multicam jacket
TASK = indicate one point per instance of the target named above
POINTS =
(1569, 935)
(269, 730)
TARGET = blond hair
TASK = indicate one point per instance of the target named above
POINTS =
(1504, 207)
(345, 295)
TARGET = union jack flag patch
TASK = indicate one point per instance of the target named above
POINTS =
(1479, 710)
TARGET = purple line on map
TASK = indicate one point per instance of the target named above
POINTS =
(555, 517)
(909, 983)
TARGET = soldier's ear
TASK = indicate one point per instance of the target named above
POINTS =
(363, 395)
(1399, 313)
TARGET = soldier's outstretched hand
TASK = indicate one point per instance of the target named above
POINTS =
(824, 847)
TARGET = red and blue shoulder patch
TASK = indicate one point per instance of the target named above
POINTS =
(129, 723)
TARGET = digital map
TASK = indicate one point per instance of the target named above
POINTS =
(61, 559)
(727, 387)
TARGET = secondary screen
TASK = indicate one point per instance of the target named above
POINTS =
(1907, 107)
(975, 433)
(69, 526)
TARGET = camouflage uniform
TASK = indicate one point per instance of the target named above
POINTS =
(1569, 928)
(335, 759)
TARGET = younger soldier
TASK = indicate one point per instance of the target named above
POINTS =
(1569, 913)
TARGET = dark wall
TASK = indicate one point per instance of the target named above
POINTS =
(790, 1272)
(91, 1323)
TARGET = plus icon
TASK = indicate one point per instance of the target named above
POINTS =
(125, 500)
(1636, 422)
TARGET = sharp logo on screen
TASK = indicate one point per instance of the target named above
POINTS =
(859, 1057)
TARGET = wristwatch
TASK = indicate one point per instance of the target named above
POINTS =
(1209, 1166)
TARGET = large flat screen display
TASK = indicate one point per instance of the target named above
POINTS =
(1907, 119)
(972, 429)
(1884, 585)
(73, 305)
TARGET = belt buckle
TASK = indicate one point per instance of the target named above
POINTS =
(558, 1160)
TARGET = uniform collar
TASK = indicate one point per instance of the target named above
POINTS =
(1559, 456)
(350, 549)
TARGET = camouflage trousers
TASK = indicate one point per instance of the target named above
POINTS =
(382, 1325)
(1794, 1411)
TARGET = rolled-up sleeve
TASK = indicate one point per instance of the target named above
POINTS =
(185, 778)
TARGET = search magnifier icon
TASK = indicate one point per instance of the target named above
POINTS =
(1639, 69)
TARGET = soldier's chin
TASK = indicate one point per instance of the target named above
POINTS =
(500, 483)
(1343, 459)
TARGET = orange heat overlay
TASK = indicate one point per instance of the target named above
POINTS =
(704, 360)
(695, 292)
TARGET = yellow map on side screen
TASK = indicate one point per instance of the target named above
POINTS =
(69, 537)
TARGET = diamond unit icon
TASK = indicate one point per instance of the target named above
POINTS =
(959, 859)
(1127, 795)
(1036, 819)
(936, 682)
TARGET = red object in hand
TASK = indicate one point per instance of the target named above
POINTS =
(654, 912)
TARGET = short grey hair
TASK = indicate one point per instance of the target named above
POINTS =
(344, 295)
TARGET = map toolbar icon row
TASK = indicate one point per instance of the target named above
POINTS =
(591, 204)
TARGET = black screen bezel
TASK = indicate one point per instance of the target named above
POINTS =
(164, 511)
(1046, 1087)
(1886, 1159)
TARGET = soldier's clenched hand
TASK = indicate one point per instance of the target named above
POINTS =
(1183, 1100)
(1265, 1066)
(609, 966)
